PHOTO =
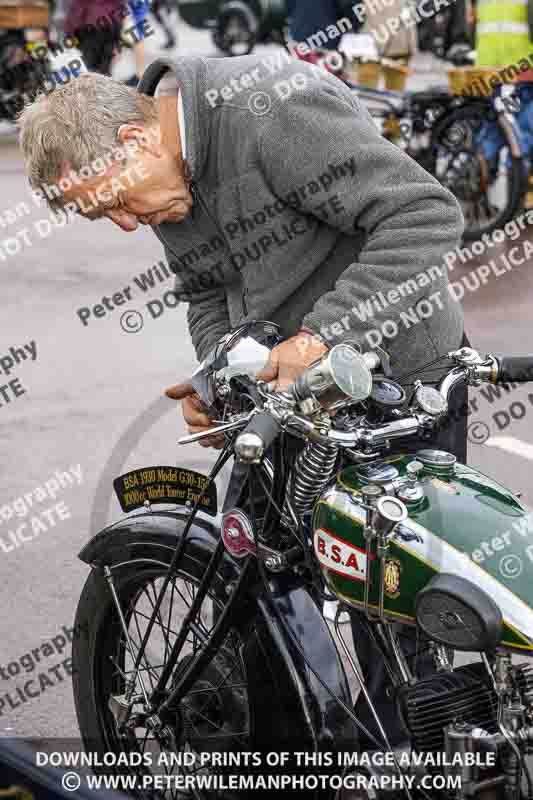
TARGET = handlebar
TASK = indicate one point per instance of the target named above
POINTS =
(514, 369)
(281, 411)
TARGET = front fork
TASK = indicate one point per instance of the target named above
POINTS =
(240, 594)
(158, 707)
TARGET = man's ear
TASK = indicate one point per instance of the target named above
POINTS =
(136, 138)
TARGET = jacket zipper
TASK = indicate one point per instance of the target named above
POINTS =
(193, 188)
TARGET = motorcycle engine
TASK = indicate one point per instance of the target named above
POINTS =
(435, 702)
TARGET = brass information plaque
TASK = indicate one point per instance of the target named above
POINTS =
(165, 485)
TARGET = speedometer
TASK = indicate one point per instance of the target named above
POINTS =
(350, 372)
(340, 375)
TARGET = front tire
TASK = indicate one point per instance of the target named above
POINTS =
(213, 716)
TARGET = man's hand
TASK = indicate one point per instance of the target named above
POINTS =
(287, 361)
(195, 414)
(290, 358)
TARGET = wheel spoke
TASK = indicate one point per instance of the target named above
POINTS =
(221, 714)
(218, 688)
(170, 607)
(158, 616)
(137, 648)
(173, 632)
(203, 638)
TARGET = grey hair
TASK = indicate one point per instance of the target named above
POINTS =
(77, 123)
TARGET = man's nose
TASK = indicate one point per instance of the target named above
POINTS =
(128, 222)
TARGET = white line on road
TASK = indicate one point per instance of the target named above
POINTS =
(511, 445)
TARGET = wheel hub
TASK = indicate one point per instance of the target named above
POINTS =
(465, 177)
(202, 712)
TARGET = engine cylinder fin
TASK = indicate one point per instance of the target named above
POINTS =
(436, 702)
(524, 679)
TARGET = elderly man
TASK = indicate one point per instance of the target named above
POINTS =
(274, 197)
(268, 182)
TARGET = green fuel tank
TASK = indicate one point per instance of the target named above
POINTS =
(465, 524)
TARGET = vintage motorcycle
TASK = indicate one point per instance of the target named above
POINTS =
(237, 26)
(20, 75)
(201, 634)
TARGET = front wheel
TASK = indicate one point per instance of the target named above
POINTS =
(473, 155)
(213, 717)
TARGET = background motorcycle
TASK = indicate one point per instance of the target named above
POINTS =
(238, 25)
(204, 637)
(20, 75)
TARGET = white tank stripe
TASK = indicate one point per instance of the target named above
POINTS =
(443, 557)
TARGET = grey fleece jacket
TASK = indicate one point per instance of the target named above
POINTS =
(305, 215)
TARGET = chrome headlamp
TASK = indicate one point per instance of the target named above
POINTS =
(340, 375)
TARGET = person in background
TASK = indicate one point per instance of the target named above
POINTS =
(308, 17)
(504, 38)
(97, 25)
(504, 34)
(460, 32)
(397, 47)
(449, 32)
(138, 10)
(158, 7)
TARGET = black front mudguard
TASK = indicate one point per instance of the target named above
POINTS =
(291, 709)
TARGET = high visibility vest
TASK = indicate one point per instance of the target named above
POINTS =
(502, 32)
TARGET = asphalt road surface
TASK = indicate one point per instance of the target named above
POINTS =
(75, 387)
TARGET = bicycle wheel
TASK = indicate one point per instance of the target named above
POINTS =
(214, 715)
(472, 156)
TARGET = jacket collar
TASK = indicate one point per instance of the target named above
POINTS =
(190, 74)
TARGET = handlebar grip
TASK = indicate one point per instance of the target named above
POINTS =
(515, 369)
(265, 429)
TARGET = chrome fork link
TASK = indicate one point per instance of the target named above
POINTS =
(311, 473)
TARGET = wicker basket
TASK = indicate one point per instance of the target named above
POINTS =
(395, 77)
(474, 81)
(25, 14)
(368, 74)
